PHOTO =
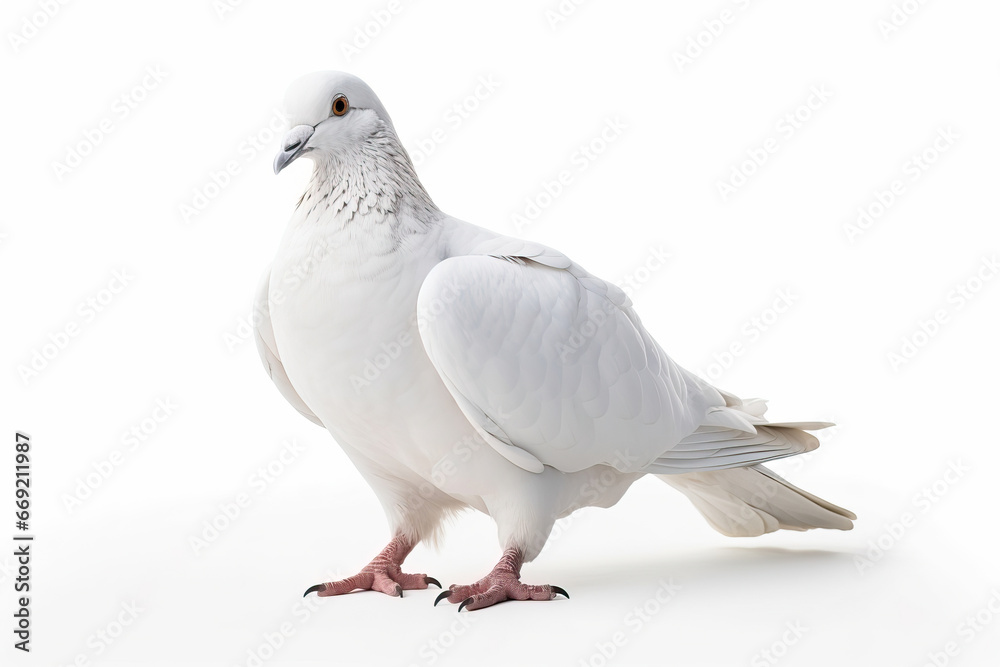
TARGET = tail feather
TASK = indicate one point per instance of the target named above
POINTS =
(736, 435)
(715, 448)
(751, 501)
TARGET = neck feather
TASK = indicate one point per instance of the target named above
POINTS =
(372, 184)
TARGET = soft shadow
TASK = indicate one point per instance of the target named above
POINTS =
(722, 566)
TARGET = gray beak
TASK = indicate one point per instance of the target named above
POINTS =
(292, 146)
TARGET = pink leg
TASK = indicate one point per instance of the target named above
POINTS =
(382, 574)
(503, 583)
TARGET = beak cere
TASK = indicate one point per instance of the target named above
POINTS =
(292, 146)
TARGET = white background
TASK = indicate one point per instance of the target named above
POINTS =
(899, 587)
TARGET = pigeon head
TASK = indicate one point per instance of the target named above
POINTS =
(329, 112)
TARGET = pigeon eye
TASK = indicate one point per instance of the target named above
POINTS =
(340, 105)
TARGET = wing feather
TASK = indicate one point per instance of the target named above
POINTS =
(554, 363)
(553, 367)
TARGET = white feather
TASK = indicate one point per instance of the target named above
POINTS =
(461, 368)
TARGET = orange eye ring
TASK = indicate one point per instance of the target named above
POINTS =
(340, 105)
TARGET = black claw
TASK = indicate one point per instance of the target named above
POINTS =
(462, 606)
(313, 589)
(560, 591)
(399, 591)
(432, 580)
(442, 596)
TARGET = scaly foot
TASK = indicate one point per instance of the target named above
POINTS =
(383, 574)
(503, 583)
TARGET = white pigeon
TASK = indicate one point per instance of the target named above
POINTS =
(461, 368)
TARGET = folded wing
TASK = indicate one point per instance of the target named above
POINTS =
(553, 367)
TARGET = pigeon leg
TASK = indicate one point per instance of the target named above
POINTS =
(503, 583)
(382, 574)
